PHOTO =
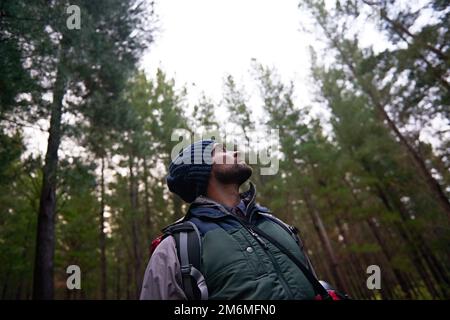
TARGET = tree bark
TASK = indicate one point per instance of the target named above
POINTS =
(102, 232)
(434, 186)
(134, 227)
(45, 239)
(325, 240)
(356, 267)
(148, 218)
(118, 287)
(422, 251)
(398, 274)
(415, 256)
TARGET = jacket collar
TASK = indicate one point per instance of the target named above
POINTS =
(203, 206)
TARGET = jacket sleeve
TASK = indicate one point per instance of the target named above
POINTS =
(162, 279)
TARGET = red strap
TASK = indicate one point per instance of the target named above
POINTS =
(155, 243)
(332, 294)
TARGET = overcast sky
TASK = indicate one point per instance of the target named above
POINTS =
(201, 41)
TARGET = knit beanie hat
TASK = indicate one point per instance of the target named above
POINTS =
(189, 173)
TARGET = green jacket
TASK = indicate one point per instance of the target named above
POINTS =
(236, 263)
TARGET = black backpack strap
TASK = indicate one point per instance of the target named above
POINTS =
(318, 288)
(189, 250)
(293, 231)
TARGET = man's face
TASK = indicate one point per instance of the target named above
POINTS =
(227, 167)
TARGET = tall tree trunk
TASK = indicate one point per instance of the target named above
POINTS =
(24, 254)
(19, 289)
(148, 218)
(384, 247)
(434, 265)
(398, 274)
(433, 185)
(321, 267)
(102, 231)
(134, 227)
(418, 243)
(390, 278)
(128, 283)
(355, 266)
(118, 286)
(45, 237)
(415, 256)
(387, 291)
(353, 259)
(415, 241)
(402, 231)
(5, 287)
(325, 240)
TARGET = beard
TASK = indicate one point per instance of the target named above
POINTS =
(235, 174)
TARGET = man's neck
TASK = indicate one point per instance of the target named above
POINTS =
(226, 194)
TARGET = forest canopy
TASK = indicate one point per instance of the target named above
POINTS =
(363, 185)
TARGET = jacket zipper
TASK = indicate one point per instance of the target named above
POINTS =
(262, 243)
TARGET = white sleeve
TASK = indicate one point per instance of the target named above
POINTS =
(162, 279)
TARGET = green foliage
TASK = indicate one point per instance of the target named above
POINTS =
(349, 184)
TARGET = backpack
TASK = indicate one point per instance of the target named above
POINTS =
(189, 251)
